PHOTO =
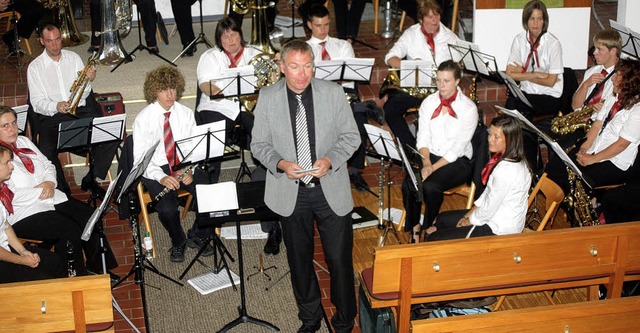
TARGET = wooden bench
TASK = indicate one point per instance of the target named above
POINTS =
(500, 265)
(611, 315)
(77, 304)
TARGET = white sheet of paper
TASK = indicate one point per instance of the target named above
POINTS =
(329, 70)
(247, 231)
(376, 136)
(417, 73)
(513, 88)
(108, 128)
(21, 111)
(198, 139)
(228, 81)
(628, 44)
(217, 197)
(88, 230)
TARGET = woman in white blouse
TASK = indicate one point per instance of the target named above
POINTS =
(502, 207)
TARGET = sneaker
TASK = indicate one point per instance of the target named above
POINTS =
(198, 243)
(177, 253)
(272, 246)
(358, 182)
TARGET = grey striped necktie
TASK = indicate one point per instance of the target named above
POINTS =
(302, 138)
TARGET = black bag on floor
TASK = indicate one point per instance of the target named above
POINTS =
(374, 320)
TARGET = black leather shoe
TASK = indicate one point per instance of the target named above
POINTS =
(177, 253)
(198, 243)
(272, 246)
(190, 51)
(153, 50)
(9, 41)
(91, 185)
(358, 182)
(309, 328)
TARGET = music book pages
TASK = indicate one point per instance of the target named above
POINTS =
(210, 282)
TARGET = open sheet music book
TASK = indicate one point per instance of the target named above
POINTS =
(209, 282)
(21, 112)
(355, 69)
(382, 142)
(247, 231)
(417, 73)
(225, 193)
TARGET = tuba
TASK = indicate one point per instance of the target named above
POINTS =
(79, 85)
(111, 51)
(240, 6)
(124, 15)
(63, 18)
(573, 121)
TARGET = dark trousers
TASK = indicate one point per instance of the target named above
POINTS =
(447, 177)
(31, 11)
(394, 110)
(167, 208)
(51, 266)
(336, 234)
(447, 227)
(357, 160)
(621, 204)
(543, 105)
(184, 22)
(147, 9)
(348, 17)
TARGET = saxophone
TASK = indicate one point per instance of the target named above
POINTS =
(580, 207)
(573, 121)
(79, 85)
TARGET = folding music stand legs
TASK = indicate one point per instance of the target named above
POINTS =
(388, 223)
(218, 248)
(200, 39)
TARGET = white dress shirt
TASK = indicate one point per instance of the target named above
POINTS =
(503, 204)
(413, 45)
(549, 61)
(337, 48)
(148, 128)
(210, 67)
(625, 124)
(607, 92)
(49, 81)
(445, 136)
(26, 201)
(4, 240)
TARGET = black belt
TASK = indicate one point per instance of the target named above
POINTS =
(313, 183)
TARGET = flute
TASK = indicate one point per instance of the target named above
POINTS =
(180, 177)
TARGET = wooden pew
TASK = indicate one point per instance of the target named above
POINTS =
(499, 265)
(611, 315)
(77, 304)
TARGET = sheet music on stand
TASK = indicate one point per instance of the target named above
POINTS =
(21, 113)
(108, 128)
(83, 132)
(554, 145)
(209, 282)
(194, 148)
(350, 69)
(407, 166)
(472, 58)
(512, 86)
(233, 83)
(382, 142)
(88, 229)
(226, 195)
(417, 74)
(630, 39)
(137, 170)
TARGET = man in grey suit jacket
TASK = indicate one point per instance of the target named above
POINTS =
(321, 190)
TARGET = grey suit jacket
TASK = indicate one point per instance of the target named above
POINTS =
(336, 138)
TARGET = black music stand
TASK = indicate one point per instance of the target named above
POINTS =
(21, 117)
(18, 52)
(352, 69)
(417, 74)
(251, 208)
(201, 38)
(474, 61)
(129, 57)
(630, 39)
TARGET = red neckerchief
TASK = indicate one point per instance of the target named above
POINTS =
(6, 196)
(598, 96)
(533, 52)
(232, 59)
(430, 39)
(488, 168)
(614, 109)
(446, 102)
(21, 153)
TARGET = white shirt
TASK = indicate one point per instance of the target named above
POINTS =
(26, 201)
(549, 61)
(210, 67)
(4, 240)
(148, 128)
(625, 124)
(337, 48)
(445, 136)
(49, 81)
(413, 45)
(607, 92)
(503, 204)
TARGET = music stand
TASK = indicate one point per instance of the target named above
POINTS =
(21, 119)
(351, 69)
(630, 39)
(514, 90)
(417, 74)
(474, 61)
(201, 38)
(129, 57)
(17, 51)
(386, 149)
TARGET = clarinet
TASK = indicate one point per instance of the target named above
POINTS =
(71, 272)
(180, 177)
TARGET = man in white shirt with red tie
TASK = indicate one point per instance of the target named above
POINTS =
(166, 120)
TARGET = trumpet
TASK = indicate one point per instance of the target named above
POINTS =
(79, 85)
(180, 177)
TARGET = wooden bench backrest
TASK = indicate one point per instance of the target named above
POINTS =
(69, 303)
(611, 315)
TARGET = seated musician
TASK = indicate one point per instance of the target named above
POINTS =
(42, 212)
(326, 47)
(612, 141)
(17, 261)
(50, 77)
(166, 120)
(447, 123)
(502, 207)
(536, 61)
(426, 40)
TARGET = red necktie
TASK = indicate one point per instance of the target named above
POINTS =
(6, 196)
(533, 53)
(169, 144)
(446, 102)
(488, 168)
(234, 60)
(325, 54)
(26, 160)
(598, 96)
(430, 41)
(614, 109)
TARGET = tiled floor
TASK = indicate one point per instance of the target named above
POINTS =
(13, 91)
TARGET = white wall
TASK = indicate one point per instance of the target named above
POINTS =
(209, 8)
(494, 30)
(628, 11)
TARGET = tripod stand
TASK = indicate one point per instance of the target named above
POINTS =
(200, 39)
(293, 23)
(129, 57)
(17, 51)
(387, 224)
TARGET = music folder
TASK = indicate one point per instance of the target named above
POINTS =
(251, 207)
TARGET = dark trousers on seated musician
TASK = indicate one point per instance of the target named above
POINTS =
(101, 154)
(360, 115)
(167, 207)
(447, 222)
(51, 266)
(445, 178)
(67, 222)
(394, 111)
(336, 233)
